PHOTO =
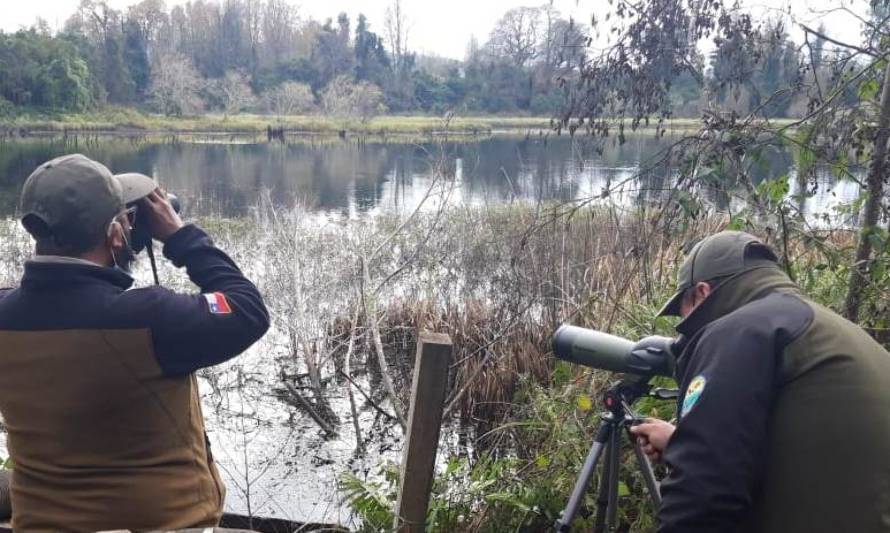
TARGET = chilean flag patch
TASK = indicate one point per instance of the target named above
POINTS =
(218, 303)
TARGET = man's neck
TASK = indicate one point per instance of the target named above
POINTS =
(63, 259)
(96, 257)
(100, 257)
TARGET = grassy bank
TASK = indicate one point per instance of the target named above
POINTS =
(124, 120)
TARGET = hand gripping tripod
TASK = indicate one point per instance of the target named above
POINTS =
(618, 418)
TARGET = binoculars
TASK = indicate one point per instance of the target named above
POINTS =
(140, 235)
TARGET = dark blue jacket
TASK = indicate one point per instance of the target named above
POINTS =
(188, 331)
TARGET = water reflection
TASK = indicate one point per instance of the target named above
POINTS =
(228, 176)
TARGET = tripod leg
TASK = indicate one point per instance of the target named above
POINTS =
(646, 470)
(564, 523)
(602, 495)
(615, 464)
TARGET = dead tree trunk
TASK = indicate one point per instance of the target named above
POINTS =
(371, 317)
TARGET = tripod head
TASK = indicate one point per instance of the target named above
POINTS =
(618, 398)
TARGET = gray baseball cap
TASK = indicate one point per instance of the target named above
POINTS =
(721, 255)
(75, 198)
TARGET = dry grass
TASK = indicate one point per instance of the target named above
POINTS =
(497, 280)
(122, 120)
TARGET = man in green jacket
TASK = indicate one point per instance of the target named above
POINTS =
(784, 413)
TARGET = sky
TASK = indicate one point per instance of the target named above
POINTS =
(444, 27)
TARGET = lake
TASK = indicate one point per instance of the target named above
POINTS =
(228, 175)
(275, 460)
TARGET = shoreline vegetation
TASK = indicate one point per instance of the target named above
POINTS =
(128, 121)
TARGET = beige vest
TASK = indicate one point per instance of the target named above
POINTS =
(99, 438)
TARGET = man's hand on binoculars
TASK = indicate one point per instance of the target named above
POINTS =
(163, 220)
(653, 436)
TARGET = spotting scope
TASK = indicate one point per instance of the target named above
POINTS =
(651, 356)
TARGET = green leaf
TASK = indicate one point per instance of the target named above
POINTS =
(775, 189)
(738, 222)
(623, 489)
(868, 90)
(509, 499)
(562, 373)
(584, 402)
(542, 461)
(453, 466)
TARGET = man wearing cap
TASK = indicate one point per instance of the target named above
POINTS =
(97, 384)
(784, 412)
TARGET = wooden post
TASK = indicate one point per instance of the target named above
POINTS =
(422, 437)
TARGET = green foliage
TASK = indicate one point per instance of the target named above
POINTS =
(7, 110)
(373, 501)
(135, 55)
(527, 489)
(868, 89)
(805, 157)
(39, 70)
(774, 190)
(753, 74)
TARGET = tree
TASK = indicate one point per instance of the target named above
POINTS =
(135, 54)
(37, 69)
(396, 26)
(758, 70)
(289, 98)
(817, 48)
(102, 25)
(176, 86)
(344, 98)
(234, 92)
(279, 23)
(150, 19)
(517, 36)
(371, 60)
(66, 83)
(332, 55)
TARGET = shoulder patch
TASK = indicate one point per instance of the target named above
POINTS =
(217, 303)
(693, 394)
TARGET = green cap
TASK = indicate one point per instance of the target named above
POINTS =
(723, 254)
(74, 198)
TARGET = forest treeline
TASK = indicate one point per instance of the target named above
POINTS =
(261, 56)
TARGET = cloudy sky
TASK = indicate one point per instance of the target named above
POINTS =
(444, 27)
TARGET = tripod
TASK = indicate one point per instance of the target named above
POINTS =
(618, 418)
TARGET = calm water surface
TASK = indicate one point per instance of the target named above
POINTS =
(228, 176)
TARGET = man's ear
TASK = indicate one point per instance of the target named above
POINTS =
(116, 235)
(702, 290)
